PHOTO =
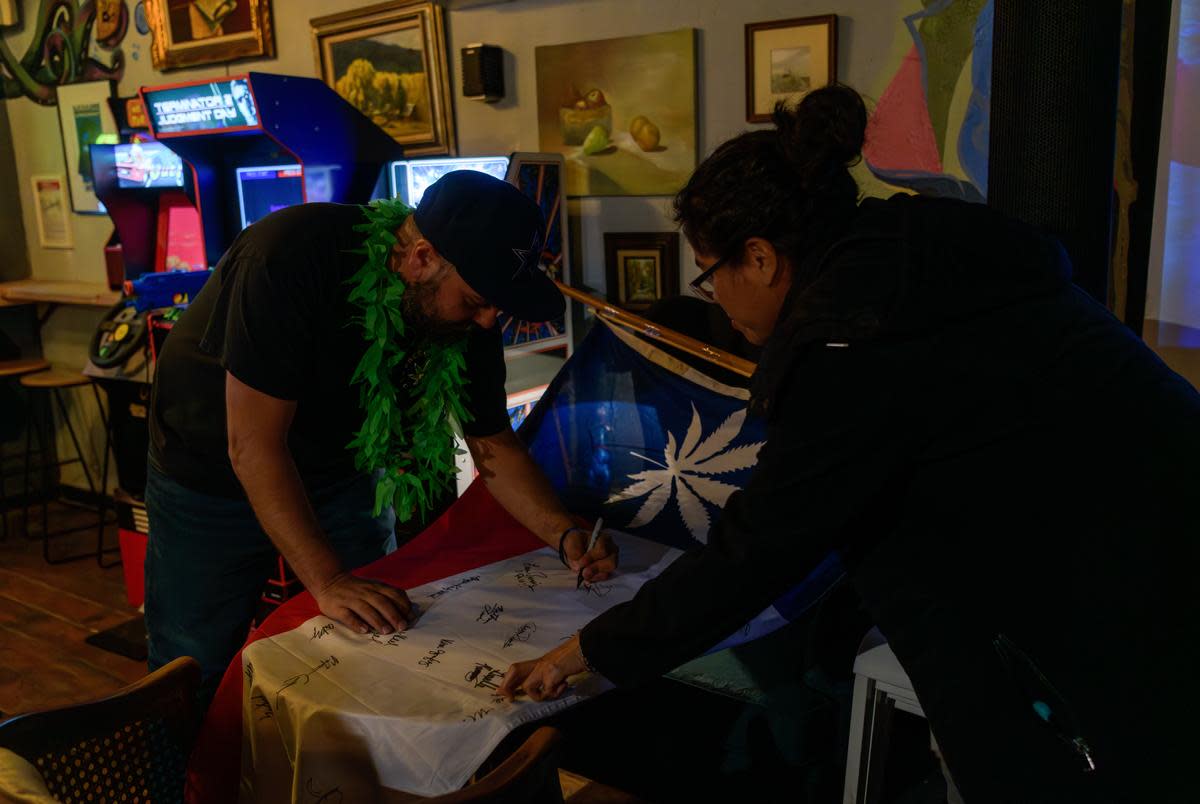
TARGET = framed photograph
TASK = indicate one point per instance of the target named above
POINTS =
(641, 268)
(786, 59)
(50, 209)
(622, 112)
(389, 62)
(84, 115)
(191, 32)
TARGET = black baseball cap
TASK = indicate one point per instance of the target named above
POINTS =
(492, 232)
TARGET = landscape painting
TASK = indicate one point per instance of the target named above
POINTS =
(389, 62)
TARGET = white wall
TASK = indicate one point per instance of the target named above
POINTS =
(872, 41)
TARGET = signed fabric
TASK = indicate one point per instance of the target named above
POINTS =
(330, 714)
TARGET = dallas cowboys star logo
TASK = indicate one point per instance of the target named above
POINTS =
(527, 259)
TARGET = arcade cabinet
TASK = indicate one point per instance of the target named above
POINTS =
(220, 154)
(260, 142)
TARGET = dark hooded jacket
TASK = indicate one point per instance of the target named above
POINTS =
(1010, 477)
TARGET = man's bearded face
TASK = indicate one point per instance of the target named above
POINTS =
(422, 311)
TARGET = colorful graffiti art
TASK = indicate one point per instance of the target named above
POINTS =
(60, 51)
(922, 114)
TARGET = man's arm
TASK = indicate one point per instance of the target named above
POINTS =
(257, 428)
(518, 484)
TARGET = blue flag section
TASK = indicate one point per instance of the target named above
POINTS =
(627, 432)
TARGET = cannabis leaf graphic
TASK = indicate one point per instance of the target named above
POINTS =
(687, 474)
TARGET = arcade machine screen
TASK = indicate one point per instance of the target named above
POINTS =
(147, 165)
(410, 179)
(262, 190)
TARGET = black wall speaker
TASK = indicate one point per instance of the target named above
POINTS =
(483, 72)
(1053, 124)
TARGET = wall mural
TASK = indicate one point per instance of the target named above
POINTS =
(60, 51)
(931, 113)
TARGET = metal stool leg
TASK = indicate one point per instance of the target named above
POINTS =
(30, 426)
(46, 437)
(3, 507)
(46, 534)
(103, 506)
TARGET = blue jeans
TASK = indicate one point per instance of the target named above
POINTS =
(208, 561)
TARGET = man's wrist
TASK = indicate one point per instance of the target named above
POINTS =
(552, 534)
(562, 543)
(318, 572)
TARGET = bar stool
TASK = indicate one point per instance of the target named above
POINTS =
(54, 381)
(10, 370)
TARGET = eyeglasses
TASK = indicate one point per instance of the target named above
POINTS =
(702, 285)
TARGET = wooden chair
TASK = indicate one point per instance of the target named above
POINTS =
(132, 746)
(529, 775)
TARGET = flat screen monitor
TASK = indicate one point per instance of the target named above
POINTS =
(410, 178)
(266, 188)
(145, 165)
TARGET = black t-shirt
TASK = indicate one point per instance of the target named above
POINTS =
(275, 315)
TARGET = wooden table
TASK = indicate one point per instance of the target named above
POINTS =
(57, 291)
(53, 292)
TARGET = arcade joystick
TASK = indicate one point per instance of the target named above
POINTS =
(120, 334)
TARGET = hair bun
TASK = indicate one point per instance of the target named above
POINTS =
(823, 134)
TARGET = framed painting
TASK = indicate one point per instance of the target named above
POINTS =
(786, 59)
(622, 112)
(389, 62)
(641, 268)
(188, 33)
(84, 116)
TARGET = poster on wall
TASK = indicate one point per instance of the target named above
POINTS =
(50, 209)
(622, 112)
(539, 176)
(84, 116)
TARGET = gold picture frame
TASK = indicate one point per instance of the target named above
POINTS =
(188, 33)
(389, 62)
(786, 59)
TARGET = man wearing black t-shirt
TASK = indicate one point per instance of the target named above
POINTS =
(253, 408)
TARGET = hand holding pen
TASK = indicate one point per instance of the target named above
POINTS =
(590, 547)
(593, 556)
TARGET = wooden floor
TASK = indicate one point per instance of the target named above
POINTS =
(47, 611)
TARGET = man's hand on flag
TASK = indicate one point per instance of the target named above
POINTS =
(364, 605)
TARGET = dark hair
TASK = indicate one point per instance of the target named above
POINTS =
(788, 185)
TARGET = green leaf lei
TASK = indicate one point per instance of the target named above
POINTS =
(414, 445)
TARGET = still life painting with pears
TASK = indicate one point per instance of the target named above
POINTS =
(622, 112)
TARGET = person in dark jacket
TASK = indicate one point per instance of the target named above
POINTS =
(1007, 471)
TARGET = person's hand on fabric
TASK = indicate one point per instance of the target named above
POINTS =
(596, 564)
(545, 678)
(364, 605)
